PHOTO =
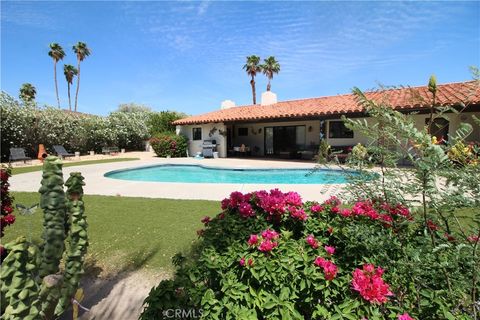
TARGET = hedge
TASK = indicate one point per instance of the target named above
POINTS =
(169, 144)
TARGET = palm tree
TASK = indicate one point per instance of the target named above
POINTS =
(70, 72)
(27, 93)
(56, 53)
(252, 67)
(269, 67)
(82, 51)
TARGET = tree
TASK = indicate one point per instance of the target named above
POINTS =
(270, 67)
(70, 72)
(82, 51)
(161, 122)
(133, 107)
(27, 93)
(252, 67)
(56, 53)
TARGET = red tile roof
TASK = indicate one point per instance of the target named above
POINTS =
(402, 99)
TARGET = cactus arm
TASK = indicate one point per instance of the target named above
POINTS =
(19, 291)
(78, 241)
(52, 202)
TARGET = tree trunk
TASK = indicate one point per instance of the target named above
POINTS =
(254, 94)
(78, 85)
(56, 85)
(268, 85)
(69, 100)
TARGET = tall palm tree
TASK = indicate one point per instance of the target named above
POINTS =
(27, 93)
(252, 67)
(82, 51)
(56, 53)
(269, 67)
(70, 72)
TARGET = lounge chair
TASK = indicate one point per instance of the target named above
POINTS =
(61, 152)
(18, 154)
(110, 150)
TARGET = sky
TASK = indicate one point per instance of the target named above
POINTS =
(188, 55)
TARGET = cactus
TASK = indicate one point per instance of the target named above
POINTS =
(52, 202)
(32, 286)
(19, 291)
(78, 240)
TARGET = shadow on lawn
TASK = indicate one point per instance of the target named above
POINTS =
(119, 295)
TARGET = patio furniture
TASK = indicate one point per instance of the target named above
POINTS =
(341, 152)
(110, 150)
(18, 154)
(62, 152)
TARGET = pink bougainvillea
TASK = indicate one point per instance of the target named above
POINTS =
(253, 240)
(316, 208)
(269, 234)
(312, 242)
(206, 220)
(298, 214)
(6, 216)
(368, 282)
(405, 316)
(246, 210)
(267, 245)
(473, 238)
(329, 268)
(330, 250)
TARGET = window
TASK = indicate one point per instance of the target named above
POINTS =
(242, 132)
(197, 133)
(337, 129)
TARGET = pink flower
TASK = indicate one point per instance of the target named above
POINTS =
(242, 262)
(298, 214)
(267, 245)
(432, 226)
(293, 198)
(316, 208)
(369, 283)
(253, 240)
(346, 213)
(269, 234)
(225, 203)
(365, 208)
(245, 210)
(405, 316)
(330, 250)
(206, 220)
(333, 201)
(329, 268)
(473, 238)
(312, 241)
(335, 210)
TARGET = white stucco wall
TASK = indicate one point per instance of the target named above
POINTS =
(255, 137)
(195, 146)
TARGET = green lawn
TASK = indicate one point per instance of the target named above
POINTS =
(128, 232)
(18, 170)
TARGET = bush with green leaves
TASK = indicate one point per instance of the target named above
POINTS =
(27, 126)
(268, 255)
(169, 145)
(162, 122)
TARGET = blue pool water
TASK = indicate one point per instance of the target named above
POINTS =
(200, 174)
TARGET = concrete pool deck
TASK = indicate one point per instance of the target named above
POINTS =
(97, 184)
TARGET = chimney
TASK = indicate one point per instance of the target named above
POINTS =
(268, 98)
(227, 104)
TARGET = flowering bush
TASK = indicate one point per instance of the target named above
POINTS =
(169, 144)
(6, 212)
(258, 260)
(28, 126)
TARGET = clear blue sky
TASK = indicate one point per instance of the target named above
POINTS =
(188, 56)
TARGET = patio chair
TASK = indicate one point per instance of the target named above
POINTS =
(61, 152)
(18, 154)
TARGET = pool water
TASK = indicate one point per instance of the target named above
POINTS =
(201, 174)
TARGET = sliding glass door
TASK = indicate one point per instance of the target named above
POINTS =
(283, 139)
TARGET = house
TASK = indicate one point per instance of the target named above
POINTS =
(287, 128)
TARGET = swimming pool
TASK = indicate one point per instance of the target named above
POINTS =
(202, 174)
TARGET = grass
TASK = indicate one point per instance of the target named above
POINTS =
(127, 232)
(19, 170)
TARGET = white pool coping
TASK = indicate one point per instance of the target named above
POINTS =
(97, 184)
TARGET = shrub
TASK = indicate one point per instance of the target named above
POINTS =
(169, 144)
(6, 211)
(268, 255)
(161, 122)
